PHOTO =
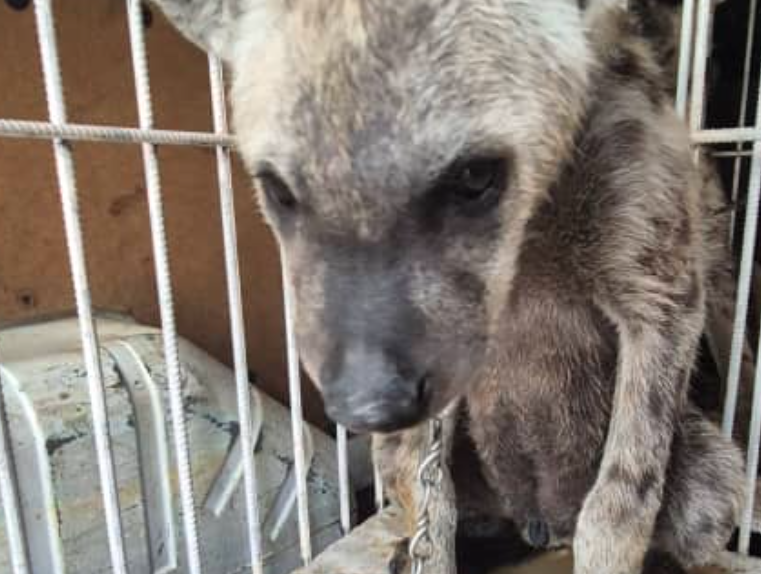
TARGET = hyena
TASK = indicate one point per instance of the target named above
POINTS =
(493, 202)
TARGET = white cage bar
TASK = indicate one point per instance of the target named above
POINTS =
(691, 102)
(379, 490)
(227, 205)
(67, 181)
(164, 287)
(738, 340)
(9, 496)
(699, 65)
(685, 57)
(342, 446)
(744, 101)
(695, 86)
(25, 129)
(297, 417)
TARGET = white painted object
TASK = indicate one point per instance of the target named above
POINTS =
(47, 403)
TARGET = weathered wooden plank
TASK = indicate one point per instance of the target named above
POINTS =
(377, 547)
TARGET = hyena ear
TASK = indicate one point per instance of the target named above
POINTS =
(222, 27)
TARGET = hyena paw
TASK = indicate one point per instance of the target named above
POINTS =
(608, 539)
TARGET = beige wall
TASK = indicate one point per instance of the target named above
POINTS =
(34, 277)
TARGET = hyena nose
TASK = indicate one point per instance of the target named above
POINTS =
(370, 395)
(401, 404)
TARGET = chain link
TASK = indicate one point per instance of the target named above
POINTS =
(430, 475)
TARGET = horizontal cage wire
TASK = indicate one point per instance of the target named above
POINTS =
(740, 145)
(110, 134)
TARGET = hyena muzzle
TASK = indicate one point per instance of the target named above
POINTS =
(492, 201)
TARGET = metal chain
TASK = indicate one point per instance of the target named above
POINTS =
(430, 476)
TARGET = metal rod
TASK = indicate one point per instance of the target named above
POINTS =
(74, 240)
(700, 64)
(297, 417)
(14, 526)
(164, 287)
(742, 153)
(380, 494)
(738, 340)
(237, 324)
(742, 117)
(744, 283)
(109, 134)
(746, 523)
(25, 129)
(343, 478)
(725, 135)
(685, 57)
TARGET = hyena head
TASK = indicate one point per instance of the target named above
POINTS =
(399, 148)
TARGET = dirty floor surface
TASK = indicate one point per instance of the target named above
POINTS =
(561, 563)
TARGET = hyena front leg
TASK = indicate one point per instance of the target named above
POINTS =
(657, 342)
(703, 494)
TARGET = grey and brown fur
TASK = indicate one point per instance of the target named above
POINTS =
(660, 23)
(565, 313)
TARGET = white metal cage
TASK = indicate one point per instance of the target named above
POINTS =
(62, 133)
(745, 136)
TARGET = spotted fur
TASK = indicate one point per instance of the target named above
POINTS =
(566, 317)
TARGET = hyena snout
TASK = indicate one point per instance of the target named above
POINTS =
(372, 392)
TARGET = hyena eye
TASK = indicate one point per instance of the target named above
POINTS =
(478, 181)
(276, 190)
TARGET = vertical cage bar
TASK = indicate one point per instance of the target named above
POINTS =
(746, 523)
(237, 325)
(685, 57)
(297, 417)
(9, 495)
(743, 115)
(380, 493)
(738, 339)
(744, 282)
(343, 478)
(74, 240)
(164, 287)
(700, 64)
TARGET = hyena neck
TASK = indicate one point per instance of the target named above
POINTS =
(630, 106)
